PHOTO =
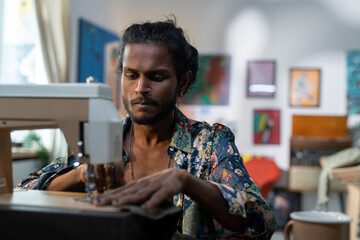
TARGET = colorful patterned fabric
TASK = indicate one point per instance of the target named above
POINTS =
(207, 152)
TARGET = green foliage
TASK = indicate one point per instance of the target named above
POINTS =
(33, 142)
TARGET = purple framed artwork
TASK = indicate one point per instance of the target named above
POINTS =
(261, 78)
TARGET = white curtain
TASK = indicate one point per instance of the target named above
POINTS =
(53, 21)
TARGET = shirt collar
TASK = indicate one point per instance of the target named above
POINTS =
(181, 138)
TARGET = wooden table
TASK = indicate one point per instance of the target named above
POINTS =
(350, 176)
(62, 215)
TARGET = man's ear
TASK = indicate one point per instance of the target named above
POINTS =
(184, 83)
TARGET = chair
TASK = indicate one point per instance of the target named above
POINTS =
(264, 172)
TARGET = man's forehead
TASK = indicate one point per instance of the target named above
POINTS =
(147, 55)
(146, 48)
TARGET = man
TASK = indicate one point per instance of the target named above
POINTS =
(168, 156)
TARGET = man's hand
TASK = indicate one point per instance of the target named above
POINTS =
(148, 191)
(107, 176)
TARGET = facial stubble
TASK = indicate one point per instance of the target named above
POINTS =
(166, 108)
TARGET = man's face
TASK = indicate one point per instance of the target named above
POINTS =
(148, 66)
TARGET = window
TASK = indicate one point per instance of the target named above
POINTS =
(21, 57)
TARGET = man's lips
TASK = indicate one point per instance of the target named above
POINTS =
(142, 101)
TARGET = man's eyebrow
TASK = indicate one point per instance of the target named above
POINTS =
(160, 70)
(129, 69)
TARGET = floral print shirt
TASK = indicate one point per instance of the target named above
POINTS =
(207, 152)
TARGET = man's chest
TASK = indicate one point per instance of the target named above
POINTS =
(144, 163)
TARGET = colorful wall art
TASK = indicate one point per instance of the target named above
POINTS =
(305, 87)
(92, 42)
(266, 126)
(212, 85)
(261, 79)
(353, 82)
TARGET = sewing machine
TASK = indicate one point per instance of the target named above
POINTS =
(84, 112)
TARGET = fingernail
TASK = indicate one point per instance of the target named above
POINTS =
(144, 206)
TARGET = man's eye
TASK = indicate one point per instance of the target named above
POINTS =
(131, 75)
(157, 78)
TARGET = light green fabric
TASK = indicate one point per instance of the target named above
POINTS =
(343, 158)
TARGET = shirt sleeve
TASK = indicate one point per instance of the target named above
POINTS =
(39, 179)
(238, 189)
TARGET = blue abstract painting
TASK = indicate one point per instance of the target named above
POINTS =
(92, 42)
(353, 82)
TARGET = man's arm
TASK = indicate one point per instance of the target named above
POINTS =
(71, 181)
(39, 179)
(209, 198)
(107, 176)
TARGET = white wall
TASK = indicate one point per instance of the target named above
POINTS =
(313, 33)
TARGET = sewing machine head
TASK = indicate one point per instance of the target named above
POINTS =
(84, 112)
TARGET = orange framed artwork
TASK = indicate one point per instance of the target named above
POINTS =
(305, 87)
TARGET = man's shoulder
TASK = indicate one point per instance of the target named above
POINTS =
(211, 126)
(198, 126)
(214, 129)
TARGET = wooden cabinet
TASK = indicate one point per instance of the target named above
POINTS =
(314, 137)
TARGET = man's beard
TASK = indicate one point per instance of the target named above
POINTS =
(165, 110)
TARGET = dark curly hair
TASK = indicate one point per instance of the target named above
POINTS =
(183, 54)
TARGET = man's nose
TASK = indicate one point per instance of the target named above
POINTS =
(142, 86)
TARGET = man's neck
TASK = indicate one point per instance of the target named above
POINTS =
(156, 133)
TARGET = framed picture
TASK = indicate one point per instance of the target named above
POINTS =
(266, 126)
(305, 87)
(98, 54)
(353, 82)
(261, 79)
(93, 46)
(212, 84)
